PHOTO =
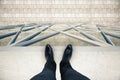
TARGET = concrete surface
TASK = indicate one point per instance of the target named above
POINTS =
(27, 11)
(22, 63)
(62, 39)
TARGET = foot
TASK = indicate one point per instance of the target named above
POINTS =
(48, 52)
(68, 52)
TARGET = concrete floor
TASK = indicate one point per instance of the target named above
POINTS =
(97, 63)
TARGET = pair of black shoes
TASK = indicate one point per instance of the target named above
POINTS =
(66, 70)
(67, 53)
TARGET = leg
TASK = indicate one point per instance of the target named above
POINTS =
(66, 70)
(49, 70)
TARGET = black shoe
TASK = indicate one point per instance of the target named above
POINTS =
(48, 52)
(68, 52)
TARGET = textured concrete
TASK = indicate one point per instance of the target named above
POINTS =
(62, 39)
(26, 11)
(98, 63)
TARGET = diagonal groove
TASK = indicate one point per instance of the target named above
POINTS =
(30, 42)
(11, 27)
(13, 33)
(107, 39)
(14, 39)
(113, 35)
(88, 35)
(83, 39)
(33, 35)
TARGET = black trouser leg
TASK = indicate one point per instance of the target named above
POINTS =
(68, 73)
(48, 72)
(50, 65)
(64, 66)
(66, 70)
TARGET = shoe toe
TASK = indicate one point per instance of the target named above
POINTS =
(48, 51)
(68, 52)
(69, 46)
